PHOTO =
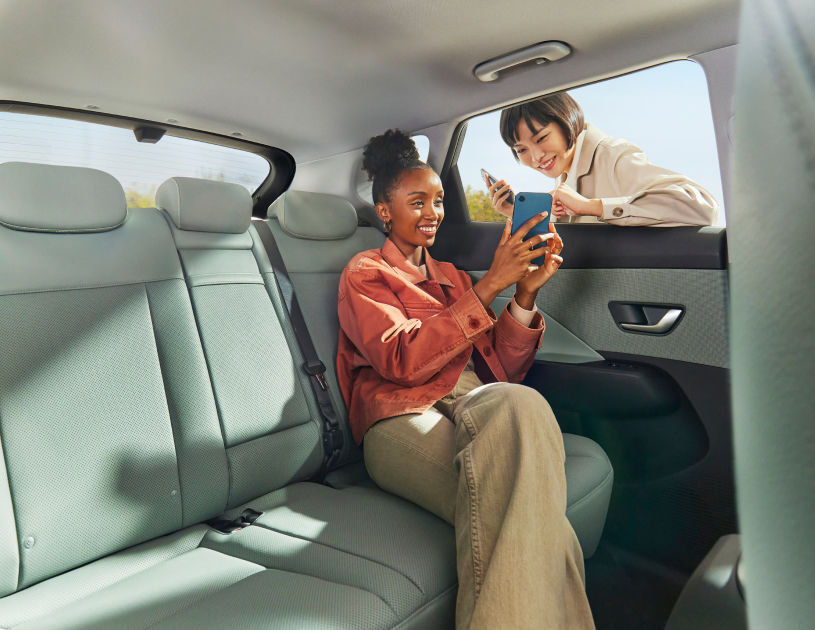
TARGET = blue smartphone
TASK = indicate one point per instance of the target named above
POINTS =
(527, 205)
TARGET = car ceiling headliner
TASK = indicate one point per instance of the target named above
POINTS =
(318, 77)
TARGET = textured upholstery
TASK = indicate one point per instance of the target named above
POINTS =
(314, 216)
(315, 530)
(77, 199)
(205, 206)
(271, 434)
(130, 410)
(581, 297)
(86, 431)
(589, 480)
(773, 309)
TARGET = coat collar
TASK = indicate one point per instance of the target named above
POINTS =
(396, 259)
(590, 143)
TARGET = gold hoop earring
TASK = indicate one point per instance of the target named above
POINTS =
(388, 225)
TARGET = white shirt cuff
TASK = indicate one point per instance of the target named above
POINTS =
(522, 315)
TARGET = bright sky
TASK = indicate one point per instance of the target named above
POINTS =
(664, 110)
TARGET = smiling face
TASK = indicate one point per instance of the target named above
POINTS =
(415, 210)
(543, 148)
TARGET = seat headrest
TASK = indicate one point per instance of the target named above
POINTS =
(201, 205)
(47, 198)
(314, 216)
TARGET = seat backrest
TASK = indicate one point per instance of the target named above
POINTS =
(109, 430)
(270, 427)
(317, 235)
(770, 232)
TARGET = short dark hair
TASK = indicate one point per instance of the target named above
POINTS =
(557, 108)
(386, 157)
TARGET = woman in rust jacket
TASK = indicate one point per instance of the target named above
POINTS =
(417, 344)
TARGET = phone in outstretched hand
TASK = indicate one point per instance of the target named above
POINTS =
(527, 205)
(510, 197)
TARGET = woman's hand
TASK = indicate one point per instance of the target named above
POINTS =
(527, 287)
(499, 193)
(567, 201)
(512, 260)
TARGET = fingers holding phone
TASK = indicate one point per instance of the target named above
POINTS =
(501, 195)
(532, 282)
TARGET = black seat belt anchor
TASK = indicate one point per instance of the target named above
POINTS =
(316, 368)
(224, 526)
(333, 441)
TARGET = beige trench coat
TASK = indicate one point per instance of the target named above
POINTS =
(634, 191)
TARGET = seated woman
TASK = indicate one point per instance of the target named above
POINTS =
(599, 178)
(417, 343)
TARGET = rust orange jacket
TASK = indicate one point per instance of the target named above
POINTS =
(405, 339)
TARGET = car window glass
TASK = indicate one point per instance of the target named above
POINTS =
(664, 110)
(139, 167)
(422, 143)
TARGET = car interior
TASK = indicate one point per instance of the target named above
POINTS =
(180, 190)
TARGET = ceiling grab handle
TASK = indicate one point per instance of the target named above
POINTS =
(543, 52)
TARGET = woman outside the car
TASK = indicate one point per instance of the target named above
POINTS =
(417, 343)
(599, 178)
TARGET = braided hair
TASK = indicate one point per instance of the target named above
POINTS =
(386, 157)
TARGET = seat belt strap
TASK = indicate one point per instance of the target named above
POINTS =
(333, 438)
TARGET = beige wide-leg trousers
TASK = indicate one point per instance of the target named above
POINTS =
(489, 459)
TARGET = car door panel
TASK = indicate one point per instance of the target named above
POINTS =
(561, 345)
(658, 404)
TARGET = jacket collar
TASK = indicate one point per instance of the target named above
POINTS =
(397, 260)
(590, 143)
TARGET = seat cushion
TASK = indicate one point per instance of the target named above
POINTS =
(589, 479)
(361, 537)
(316, 558)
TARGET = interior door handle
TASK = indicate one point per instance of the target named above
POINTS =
(665, 323)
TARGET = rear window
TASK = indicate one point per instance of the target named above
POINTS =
(139, 167)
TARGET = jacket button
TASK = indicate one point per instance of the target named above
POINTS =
(473, 323)
(487, 351)
(617, 212)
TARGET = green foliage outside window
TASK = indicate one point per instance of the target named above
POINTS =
(480, 207)
(140, 196)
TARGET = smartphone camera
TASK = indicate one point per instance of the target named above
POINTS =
(521, 198)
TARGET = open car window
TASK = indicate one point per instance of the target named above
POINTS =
(664, 110)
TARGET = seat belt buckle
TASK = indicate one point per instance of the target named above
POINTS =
(316, 368)
(225, 526)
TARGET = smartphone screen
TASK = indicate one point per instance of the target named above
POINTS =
(527, 205)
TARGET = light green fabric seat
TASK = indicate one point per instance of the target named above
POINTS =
(131, 410)
(361, 539)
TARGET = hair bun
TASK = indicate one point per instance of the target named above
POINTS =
(392, 151)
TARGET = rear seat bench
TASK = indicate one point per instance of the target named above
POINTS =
(148, 383)
(135, 405)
